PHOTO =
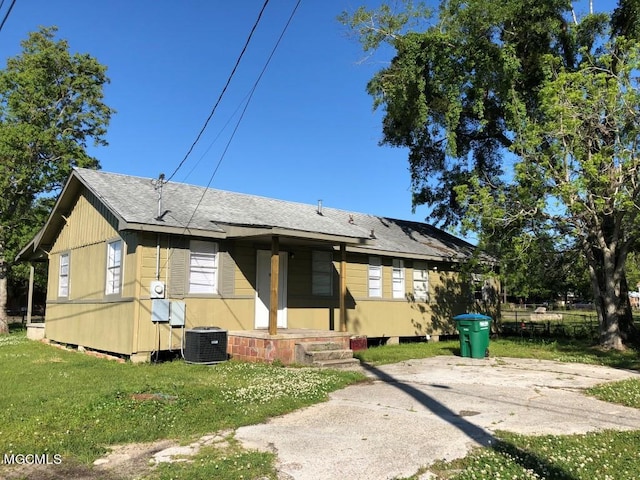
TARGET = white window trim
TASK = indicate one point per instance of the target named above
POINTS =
(420, 278)
(203, 267)
(115, 264)
(322, 273)
(398, 279)
(63, 276)
(375, 277)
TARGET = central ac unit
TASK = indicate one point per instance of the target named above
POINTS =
(205, 345)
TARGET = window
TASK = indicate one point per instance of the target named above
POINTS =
(398, 278)
(63, 276)
(420, 282)
(203, 267)
(481, 286)
(322, 273)
(375, 277)
(114, 267)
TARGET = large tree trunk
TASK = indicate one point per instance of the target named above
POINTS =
(611, 297)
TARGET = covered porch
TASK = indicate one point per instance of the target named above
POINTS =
(286, 346)
(273, 340)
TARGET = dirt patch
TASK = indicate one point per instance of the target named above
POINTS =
(123, 462)
(141, 397)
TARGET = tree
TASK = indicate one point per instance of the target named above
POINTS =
(51, 105)
(535, 269)
(521, 121)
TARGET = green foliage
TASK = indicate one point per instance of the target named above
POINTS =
(633, 270)
(51, 106)
(221, 464)
(521, 124)
(537, 268)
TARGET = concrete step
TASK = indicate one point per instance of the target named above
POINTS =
(341, 364)
(320, 346)
(321, 354)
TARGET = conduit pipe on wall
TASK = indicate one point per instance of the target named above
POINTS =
(158, 257)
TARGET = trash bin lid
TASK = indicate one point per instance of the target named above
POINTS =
(472, 317)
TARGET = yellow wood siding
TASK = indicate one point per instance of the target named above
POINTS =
(105, 327)
(87, 316)
(233, 312)
(358, 275)
(87, 223)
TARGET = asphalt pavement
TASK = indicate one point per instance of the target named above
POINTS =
(416, 412)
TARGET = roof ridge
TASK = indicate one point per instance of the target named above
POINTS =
(233, 192)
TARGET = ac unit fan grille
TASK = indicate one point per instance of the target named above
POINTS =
(205, 345)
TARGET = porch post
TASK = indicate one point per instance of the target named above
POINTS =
(275, 266)
(30, 295)
(343, 287)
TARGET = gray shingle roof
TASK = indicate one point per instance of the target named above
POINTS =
(134, 200)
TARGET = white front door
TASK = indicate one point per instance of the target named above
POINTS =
(263, 289)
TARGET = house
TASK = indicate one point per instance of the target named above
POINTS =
(133, 262)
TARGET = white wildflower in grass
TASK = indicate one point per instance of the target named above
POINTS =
(605, 455)
(279, 383)
(264, 383)
(624, 392)
(8, 340)
(575, 359)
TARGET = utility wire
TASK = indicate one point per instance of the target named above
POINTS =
(7, 14)
(255, 85)
(228, 122)
(244, 49)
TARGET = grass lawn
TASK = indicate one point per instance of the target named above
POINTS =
(66, 403)
(565, 350)
(74, 405)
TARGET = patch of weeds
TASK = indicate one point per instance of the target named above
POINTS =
(608, 455)
(12, 340)
(279, 383)
(231, 463)
(624, 392)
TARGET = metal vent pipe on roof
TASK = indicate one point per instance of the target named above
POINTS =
(320, 207)
(157, 185)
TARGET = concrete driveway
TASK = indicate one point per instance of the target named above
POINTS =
(419, 411)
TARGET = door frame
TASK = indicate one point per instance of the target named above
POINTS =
(263, 289)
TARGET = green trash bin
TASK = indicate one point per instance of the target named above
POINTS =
(474, 330)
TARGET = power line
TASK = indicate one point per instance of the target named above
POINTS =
(204, 154)
(6, 14)
(244, 49)
(235, 129)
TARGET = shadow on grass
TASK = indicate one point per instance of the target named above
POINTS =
(532, 462)
(17, 327)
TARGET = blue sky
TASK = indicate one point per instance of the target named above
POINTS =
(309, 132)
